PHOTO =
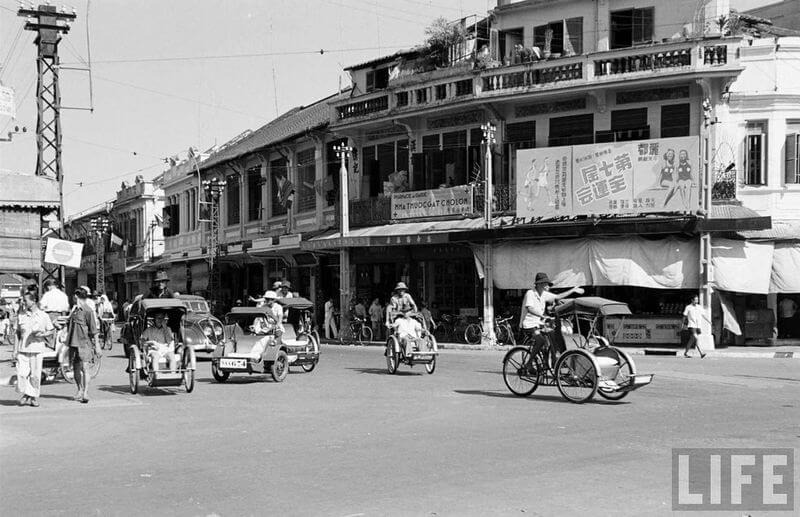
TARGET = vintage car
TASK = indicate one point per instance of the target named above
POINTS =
(249, 350)
(200, 330)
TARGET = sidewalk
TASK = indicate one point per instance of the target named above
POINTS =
(742, 352)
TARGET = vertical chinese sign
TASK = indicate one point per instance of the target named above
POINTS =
(644, 176)
(544, 184)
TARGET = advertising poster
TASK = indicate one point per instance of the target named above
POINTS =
(544, 182)
(643, 176)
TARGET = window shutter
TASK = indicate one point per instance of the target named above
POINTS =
(494, 44)
(792, 171)
(756, 159)
(370, 81)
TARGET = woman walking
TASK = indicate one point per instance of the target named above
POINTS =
(33, 327)
(81, 338)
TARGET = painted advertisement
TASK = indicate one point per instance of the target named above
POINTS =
(544, 185)
(620, 178)
(432, 203)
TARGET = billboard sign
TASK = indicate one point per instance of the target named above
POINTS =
(432, 203)
(63, 253)
(619, 178)
(544, 187)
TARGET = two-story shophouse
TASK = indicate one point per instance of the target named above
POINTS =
(603, 160)
(280, 190)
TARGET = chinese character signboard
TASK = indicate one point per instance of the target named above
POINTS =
(431, 203)
(544, 184)
(642, 176)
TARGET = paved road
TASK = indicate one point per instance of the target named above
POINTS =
(348, 439)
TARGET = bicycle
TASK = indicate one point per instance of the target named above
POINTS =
(359, 330)
(106, 331)
(502, 331)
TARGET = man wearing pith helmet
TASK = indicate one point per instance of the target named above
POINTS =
(159, 288)
(534, 305)
(400, 303)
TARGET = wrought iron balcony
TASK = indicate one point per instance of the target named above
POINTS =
(363, 107)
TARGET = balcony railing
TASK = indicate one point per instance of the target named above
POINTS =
(363, 107)
(529, 76)
(504, 199)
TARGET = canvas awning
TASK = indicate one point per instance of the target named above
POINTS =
(399, 234)
(758, 267)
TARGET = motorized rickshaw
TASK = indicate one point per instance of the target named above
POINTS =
(251, 347)
(425, 349)
(140, 367)
(575, 356)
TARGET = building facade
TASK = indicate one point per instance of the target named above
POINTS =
(553, 77)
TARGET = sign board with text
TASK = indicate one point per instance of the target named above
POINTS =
(432, 203)
(618, 178)
(63, 253)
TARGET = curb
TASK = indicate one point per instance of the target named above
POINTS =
(631, 351)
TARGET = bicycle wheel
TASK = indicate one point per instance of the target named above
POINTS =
(92, 366)
(576, 376)
(501, 333)
(521, 374)
(625, 371)
(365, 336)
(442, 333)
(473, 333)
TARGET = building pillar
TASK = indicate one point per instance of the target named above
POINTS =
(602, 25)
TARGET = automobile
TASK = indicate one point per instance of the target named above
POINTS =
(247, 351)
(201, 330)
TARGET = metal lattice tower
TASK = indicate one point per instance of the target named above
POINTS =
(214, 189)
(100, 225)
(49, 23)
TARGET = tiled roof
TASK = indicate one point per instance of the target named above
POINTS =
(26, 190)
(290, 124)
(384, 59)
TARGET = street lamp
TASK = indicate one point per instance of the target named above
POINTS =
(213, 189)
(100, 226)
(488, 337)
(343, 153)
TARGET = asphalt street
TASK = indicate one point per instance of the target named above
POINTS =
(349, 440)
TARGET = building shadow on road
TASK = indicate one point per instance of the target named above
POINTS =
(536, 397)
(145, 390)
(382, 371)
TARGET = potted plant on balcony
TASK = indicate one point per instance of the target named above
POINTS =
(441, 36)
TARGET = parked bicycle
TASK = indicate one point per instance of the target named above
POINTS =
(502, 331)
(450, 328)
(106, 331)
(359, 330)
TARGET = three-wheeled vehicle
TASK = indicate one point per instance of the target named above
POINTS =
(251, 346)
(55, 361)
(576, 357)
(140, 366)
(424, 350)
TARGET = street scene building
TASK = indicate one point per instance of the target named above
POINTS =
(434, 224)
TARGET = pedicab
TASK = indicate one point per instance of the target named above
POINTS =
(424, 349)
(140, 364)
(575, 357)
(55, 361)
(253, 348)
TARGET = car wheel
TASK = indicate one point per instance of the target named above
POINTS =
(218, 374)
(280, 367)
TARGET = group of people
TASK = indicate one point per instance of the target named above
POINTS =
(33, 324)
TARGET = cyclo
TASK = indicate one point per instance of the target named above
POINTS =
(424, 350)
(575, 357)
(55, 361)
(140, 367)
(245, 350)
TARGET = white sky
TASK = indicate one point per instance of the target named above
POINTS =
(160, 108)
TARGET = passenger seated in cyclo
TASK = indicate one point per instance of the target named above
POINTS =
(159, 342)
(533, 318)
(271, 327)
(409, 332)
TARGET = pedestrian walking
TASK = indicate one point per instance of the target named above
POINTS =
(81, 338)
(33, 327)
(427, 317)
(375, 318)
(331, 332)
(787, 308)
(691, 319)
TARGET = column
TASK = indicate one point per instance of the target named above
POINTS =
(602, 25)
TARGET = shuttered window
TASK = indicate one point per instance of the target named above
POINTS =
(306, 174)
(572, 130)
(674, 120)
(792, 163)
(756, 154)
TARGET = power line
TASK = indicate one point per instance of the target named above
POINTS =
(82, 184)
(11, 49)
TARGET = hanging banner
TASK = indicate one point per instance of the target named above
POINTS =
(618, 178)
(432, 203)
(63, 253)
(544, 187)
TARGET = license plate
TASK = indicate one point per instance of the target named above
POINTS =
(233, 363)
(642, 379)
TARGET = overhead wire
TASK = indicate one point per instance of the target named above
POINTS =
(7, 61)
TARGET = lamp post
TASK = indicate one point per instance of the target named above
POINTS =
(213, 189)
(343, 153)
(488, 337)
(100, 226)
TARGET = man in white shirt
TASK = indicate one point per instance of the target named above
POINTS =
(54, 301)
(534, 305)
(692, 315)
(787, 308)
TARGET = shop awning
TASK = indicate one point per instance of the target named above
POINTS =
(20, 240)
(758, 267)
(400, 234)
(668, 263)
(733, 217)
(25, 190)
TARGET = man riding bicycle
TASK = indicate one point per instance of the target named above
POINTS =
(534, 305)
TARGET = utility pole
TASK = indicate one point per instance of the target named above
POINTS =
(214, 189)
(343, 153)
(49, 23)
(100, 226)
(488, 337)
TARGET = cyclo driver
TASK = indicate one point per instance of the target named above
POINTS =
(533, 318)
(400, 303)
